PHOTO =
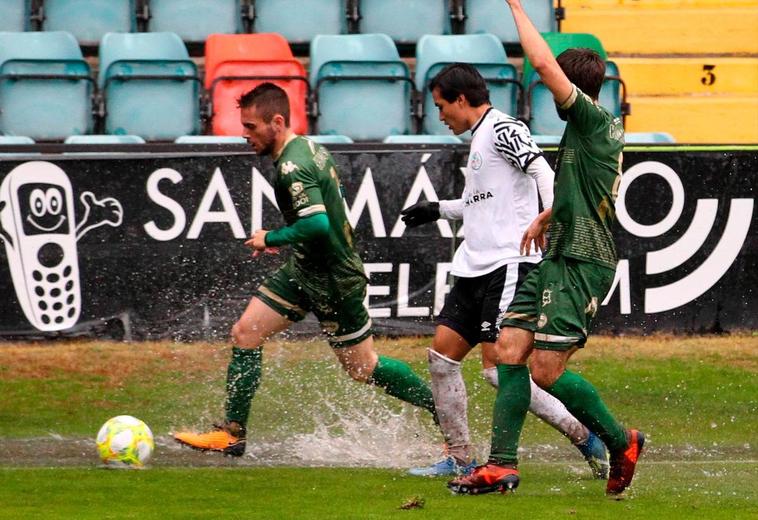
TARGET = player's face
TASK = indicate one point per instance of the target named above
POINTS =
(452, 114)
(259, 134)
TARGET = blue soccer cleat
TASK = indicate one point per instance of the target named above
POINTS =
(447, 467)
(595, 453)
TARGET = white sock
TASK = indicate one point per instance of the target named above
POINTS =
(549, 409)
(451, 402)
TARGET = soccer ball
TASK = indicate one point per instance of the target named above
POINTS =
(125, 442)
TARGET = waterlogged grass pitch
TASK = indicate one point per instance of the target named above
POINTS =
(322, 446)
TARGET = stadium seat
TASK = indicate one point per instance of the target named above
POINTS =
(330, 139)
(361, 87)
(543, 116)
(547, 140)
(236, 63)
(559, 42)
(89, 20)
(149, 86)
(485, 52)
(45, 86)
(648, 138)
(494, 17)
(16, 15)
(210, 139)
(405, 21)
(300, 21)
(104, 139)
(190, 18)
(422, 139)
(16, 139)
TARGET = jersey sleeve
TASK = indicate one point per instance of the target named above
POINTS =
(302, 184)
(585, 115)
(514, 142)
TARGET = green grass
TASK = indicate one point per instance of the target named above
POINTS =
(694, 397)
(705, 490)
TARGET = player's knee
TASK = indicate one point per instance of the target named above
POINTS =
(544, 375)
(244, 337)
(358, 372)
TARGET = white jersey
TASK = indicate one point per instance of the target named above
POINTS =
(499, 199)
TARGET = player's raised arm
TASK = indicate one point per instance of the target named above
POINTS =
(539, 54)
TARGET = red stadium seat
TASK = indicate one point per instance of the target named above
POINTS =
(236, 63)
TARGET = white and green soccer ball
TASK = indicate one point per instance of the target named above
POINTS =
(125, 442)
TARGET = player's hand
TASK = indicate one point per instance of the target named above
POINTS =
(266, 251)
(258, 243)
(420, 213)
(535, 234)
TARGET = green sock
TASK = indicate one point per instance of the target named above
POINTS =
(584, 403)
(511, 404)
(399, 380)
(242, 379)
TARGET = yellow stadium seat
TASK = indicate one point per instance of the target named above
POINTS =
(667, 28)
(649, 76)
(697, 119)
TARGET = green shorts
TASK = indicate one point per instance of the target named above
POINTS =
(558, 301)
(343, 318)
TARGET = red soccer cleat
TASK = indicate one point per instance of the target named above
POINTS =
(623, 463)
(485, 479)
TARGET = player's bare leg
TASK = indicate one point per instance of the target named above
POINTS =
(256, 325)
(363, 364)
(582, 399)
(554, 413)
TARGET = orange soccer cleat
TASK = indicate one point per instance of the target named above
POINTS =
(624, 463)
(228, 438)
(485, 479)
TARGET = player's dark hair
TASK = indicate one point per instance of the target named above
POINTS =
(584, 68)
(461, 78)
(269, 99)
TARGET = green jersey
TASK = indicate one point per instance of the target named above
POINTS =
(307, 184)
(588, 170)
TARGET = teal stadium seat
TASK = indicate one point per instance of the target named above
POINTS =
(89, 20)
(15, 15)
(494, 16)
(649, 138)
(485, 52)
(190, 18)
(361, 87)
(149, 86)
(559, 42)
(300, 21)
(422, 139)
(16, 139)
(543, 116)
(45, 86)
(104, 139)
(210, 139)
(330, 139)
(405, 21)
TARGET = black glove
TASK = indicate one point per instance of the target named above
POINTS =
(421, 213)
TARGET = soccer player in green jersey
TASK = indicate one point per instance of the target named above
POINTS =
(323, 275)
(553, 310)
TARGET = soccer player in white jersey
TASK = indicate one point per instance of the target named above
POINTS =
(504, 174)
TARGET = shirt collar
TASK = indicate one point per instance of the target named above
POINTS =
(479, 122)
(278, 153)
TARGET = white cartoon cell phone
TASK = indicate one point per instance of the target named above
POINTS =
(40, 242)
